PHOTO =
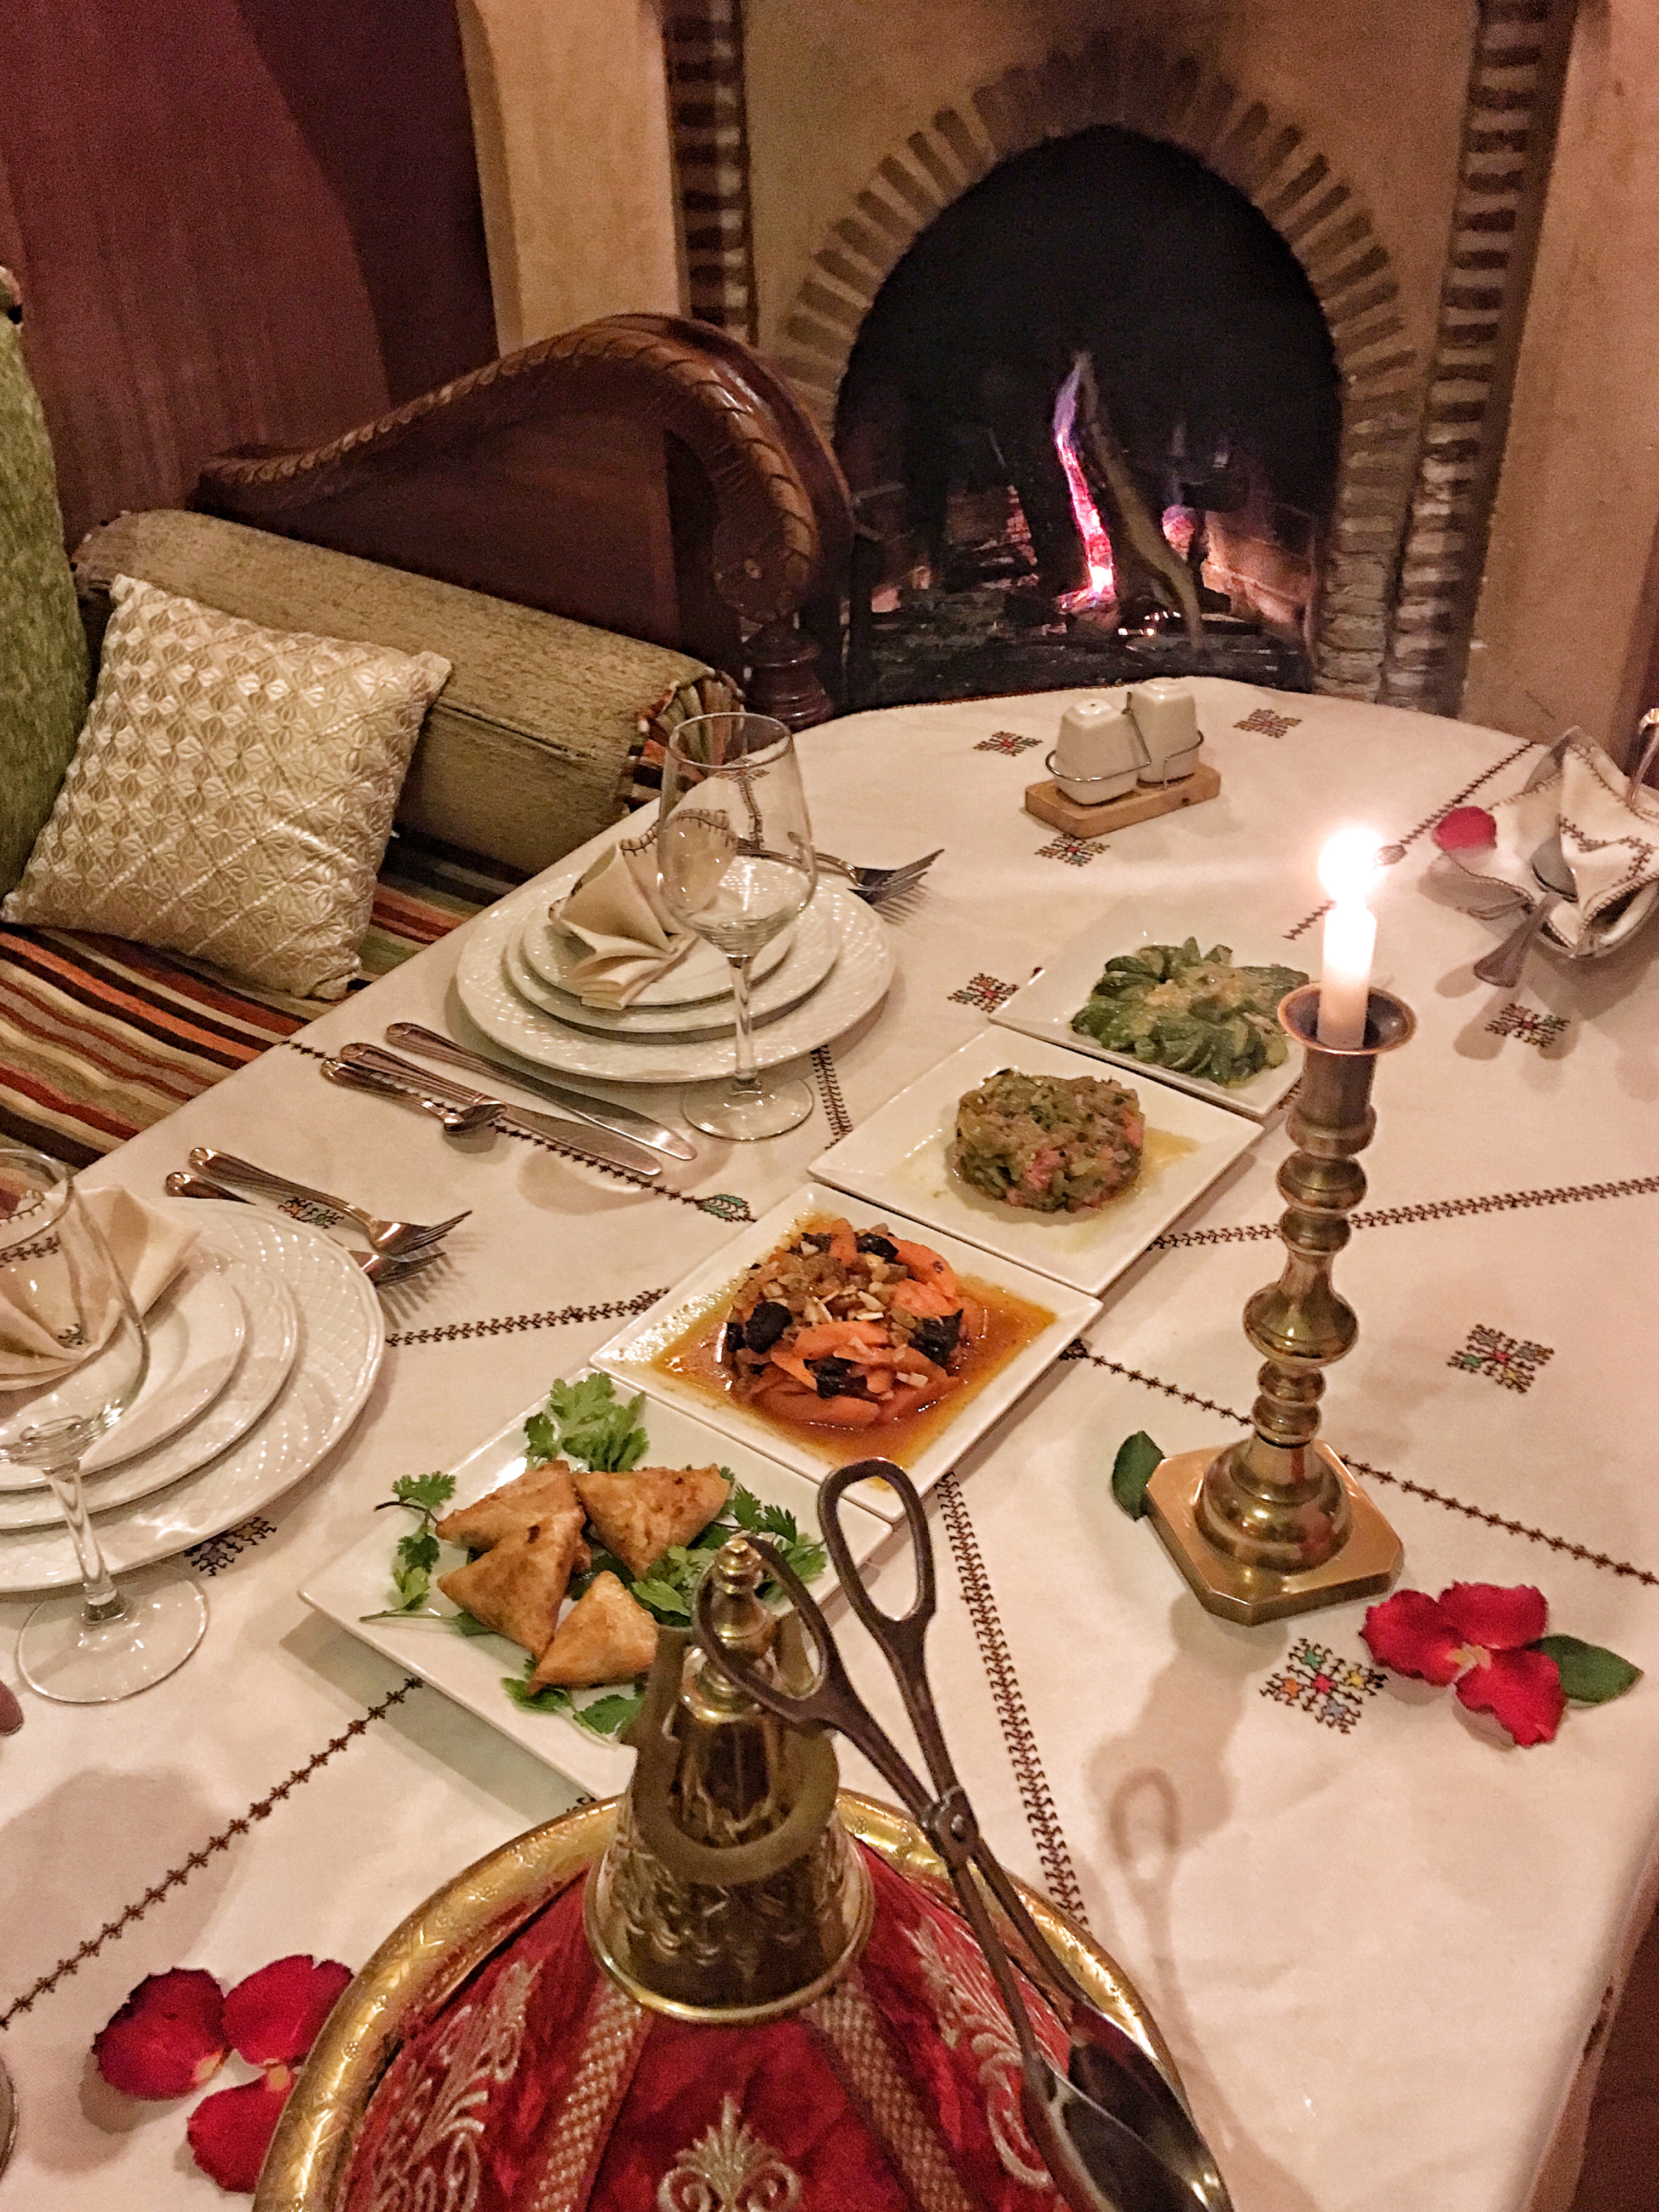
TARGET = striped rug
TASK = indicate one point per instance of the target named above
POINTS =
(99, 1038)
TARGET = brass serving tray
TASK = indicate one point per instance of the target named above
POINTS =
(423, 1961)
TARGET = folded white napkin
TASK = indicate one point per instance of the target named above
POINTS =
(1610, 842)
(616, 911)
(148, 1247)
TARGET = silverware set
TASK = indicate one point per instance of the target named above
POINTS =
(872, 885)
(397, 1250)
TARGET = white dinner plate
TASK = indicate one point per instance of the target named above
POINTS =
(196, 1328)
(812, 947)
(272, 1340)
(469, 1669)
(342, 1338)
(1044, 1006)
(704, 973)
(900, 1159)
(857, 982)
(708, 1290)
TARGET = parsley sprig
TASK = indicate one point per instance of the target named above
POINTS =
(583, 1420)
(416, 1554)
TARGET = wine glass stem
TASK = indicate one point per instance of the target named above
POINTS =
(101, 1600)
(745, 1079)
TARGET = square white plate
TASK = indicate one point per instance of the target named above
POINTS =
(900, 1158)
(1043, 1007)
(629, 1354)
(470, 1668)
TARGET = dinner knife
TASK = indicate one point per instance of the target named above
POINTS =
(576, 1136)
(604, 1113)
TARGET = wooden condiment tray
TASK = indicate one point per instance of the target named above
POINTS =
(1049, 803)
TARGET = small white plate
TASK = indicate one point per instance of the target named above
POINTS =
(273, 1339)
(469, 1669)
(704, 973)
(196, 1328)
(342, 1341)
(1043, 1007)
(813, 946)
(708, 1290)
(900, 1158)
(857, 983)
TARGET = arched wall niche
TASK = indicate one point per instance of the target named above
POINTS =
(1268, 155)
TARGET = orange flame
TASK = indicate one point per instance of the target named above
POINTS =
(1097, 545)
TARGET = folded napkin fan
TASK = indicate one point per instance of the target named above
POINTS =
(617, 910)
(1610, 842)
(148, 1247)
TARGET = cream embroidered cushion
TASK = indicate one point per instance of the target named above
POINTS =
(232, 792)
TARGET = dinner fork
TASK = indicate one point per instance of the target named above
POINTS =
(874, 884)
(382, 1268)
(396, 1237)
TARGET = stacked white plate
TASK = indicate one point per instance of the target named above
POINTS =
(812, 983)
(262, 1349)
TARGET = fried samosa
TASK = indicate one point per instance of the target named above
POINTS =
(543, 1493)
(517, 1586)
(639, 1516)
(606, 1636)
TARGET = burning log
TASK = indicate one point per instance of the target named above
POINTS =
(1146, 566)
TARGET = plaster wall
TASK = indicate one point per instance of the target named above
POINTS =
(570, 116)
(1570, 596)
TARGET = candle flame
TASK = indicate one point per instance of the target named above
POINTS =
(1347, 866)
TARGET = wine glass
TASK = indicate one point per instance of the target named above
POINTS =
(73, 1357)
(734, 847)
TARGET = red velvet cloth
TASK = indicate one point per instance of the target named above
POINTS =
(541, 2088)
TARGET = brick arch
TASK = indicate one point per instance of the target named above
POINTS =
(1269, 157)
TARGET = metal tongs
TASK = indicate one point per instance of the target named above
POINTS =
(1116, 2135)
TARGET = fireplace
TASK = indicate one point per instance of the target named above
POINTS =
(1092, 424)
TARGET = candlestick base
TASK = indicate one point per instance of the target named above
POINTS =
(1365, 1565)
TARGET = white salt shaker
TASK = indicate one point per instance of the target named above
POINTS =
(1100, 754)
(1166, 715)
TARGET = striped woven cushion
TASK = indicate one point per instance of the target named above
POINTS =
(99, 1038)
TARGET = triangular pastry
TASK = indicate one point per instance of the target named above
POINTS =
(544, 1493)
(640, 1515)
(606, 1636)
(519, 1584)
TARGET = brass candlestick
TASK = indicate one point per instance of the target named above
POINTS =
(1275, 1524)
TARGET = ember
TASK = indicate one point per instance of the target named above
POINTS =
(1097, 545)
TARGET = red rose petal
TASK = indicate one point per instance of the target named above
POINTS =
(1465, 830)
(276, 2015)
(169, 2037)
(230, 2131)
(1497, 1619)
(1521, 1691)
(1409, 1633)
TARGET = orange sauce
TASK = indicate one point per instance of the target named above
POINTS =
(1011, 1324)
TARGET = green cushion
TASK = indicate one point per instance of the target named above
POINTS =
(43, 647)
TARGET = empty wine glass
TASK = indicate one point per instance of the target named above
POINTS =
(73, 1357)
(734, 847)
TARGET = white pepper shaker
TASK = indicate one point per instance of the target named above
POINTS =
(1100, 754)
(1166, 715)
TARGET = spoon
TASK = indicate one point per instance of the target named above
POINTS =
(457, 1121)
(1502, 965)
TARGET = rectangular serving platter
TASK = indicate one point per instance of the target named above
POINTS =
(1043, 1007)
(900, 1158)
(629, 1354)
(470, 1668)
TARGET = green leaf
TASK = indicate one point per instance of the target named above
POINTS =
(609, 1715)
(1132, 1470)
(468, 1624)
(552, 1700)
(584, 1421)
(664, 1599)
(424, 1493)
(1590, 1674)
(542, 1438)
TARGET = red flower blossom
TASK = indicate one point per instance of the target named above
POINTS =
(1466, 829)
(169, 2037)
(276, 2015)
(1477, 1635)
(231, 2130)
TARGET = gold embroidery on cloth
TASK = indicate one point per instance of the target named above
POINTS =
(429, 2162)
(969, 2010)
(729, 2169)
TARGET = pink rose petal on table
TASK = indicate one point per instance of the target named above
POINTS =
(167, 2039)
(277, 2013)
(1521, 1691)
(1465, 830)
(1496, 1619)
(1409, 1633)
(230, 2131)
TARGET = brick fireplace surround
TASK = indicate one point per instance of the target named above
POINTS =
(1472, 187)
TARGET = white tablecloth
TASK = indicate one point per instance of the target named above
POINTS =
(1377, 1949)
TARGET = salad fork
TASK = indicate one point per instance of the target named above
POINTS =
(384, 1269)
(874, 884)
(395, 1237)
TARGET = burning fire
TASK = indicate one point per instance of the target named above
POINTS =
(1097, 545)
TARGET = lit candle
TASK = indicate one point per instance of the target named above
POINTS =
(1346, 867)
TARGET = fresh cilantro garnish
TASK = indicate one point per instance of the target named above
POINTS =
(670, 1583)
(584, 1421)
(417, 1555)
(607, 1716)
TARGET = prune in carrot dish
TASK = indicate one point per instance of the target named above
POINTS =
(1050, 1144)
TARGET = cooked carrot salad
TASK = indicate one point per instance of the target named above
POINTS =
(846, 1330)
